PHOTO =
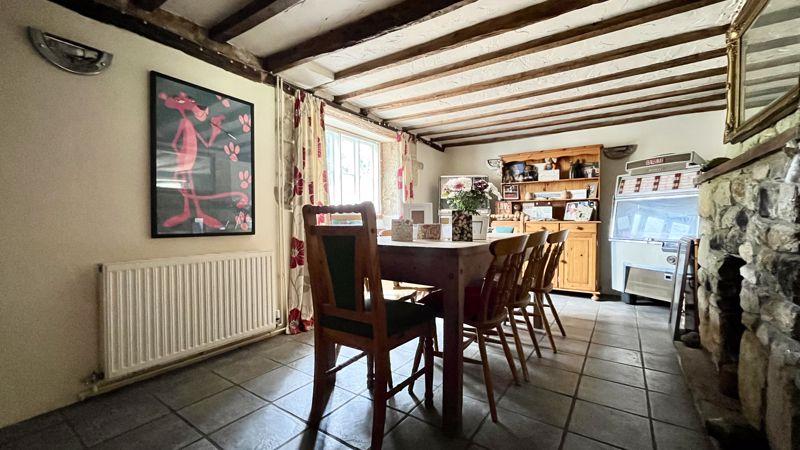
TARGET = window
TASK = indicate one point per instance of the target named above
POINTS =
(354, 168)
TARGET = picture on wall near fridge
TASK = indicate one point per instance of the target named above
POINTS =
(202, 171)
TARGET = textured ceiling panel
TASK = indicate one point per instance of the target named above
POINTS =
(304, 21)
(205, 13)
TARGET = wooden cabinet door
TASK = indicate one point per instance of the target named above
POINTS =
(578, 268)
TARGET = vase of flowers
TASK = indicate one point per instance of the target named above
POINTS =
(467, 197)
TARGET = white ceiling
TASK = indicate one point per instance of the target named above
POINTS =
(313, 17)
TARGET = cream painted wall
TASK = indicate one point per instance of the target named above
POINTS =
(435, 165)
(701, 133)
(75, 193)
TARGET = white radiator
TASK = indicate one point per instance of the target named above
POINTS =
(158, 311)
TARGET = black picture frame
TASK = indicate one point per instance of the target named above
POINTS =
(203, 185)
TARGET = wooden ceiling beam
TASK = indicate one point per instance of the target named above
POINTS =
(616, 23)
(377, 24)
(649, 108)
(149, 5)
(588, 126)
(664, 65)
(446, 134)
(248, 17)
(599, 58)
(482, 30)
(563, 100)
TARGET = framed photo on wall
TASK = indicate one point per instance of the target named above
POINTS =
(201, 161)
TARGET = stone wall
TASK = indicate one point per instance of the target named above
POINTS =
(749, 285)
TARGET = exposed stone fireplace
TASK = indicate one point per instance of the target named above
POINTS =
(749, 280)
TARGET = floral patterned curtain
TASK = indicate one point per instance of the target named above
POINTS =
(306, 179)
(399, 174)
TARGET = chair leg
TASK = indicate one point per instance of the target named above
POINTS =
(379, 397)
(534, 338)
(429, 370)
(518, 344)
(555, 314)
(545, 322)
(324, 358)
(487, 377)
(370, 372)
(507, 351)
(417, 360)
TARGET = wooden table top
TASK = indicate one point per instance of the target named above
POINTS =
(386, 241)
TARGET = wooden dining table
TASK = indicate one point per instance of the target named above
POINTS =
(450, 266)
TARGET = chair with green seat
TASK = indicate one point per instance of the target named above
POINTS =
(350, 310)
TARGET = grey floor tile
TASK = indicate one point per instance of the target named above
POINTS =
(186, 386)
(277, 383)
(536, 403)
(473, 380)
(352, 423)
(577, 323)
(286, 352)
(554, 379)
(576, 442)
(659, 346)
(304, 364)
(353, 378)
(563, 361)
(621, 330)
(666, 383)
(616, 340)
(314, 440)
(671, 437)
(674, 410)
(515, 431)
(221, 409)
(109, 415)
(611, 426)
(202, 444)
(57, 436)
(267, 428)
(299, 401)
(565, 345)
(579, 334)
(413, 433)
(241, 366)
(32, 425)
(473, 413)
(614, 354)
(167, 432)
(611, 371)
(615, 395)
(662, 363)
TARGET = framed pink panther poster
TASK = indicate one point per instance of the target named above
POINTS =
(202, 161)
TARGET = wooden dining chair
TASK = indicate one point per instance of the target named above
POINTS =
(543, 284)
(534, 260)
(485, 308)
(350, 310)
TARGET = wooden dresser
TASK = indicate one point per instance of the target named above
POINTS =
(578, 271)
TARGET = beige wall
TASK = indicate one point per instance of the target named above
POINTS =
(435, 165)
(701, 133)
(75, 193)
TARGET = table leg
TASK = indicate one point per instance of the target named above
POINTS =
(452, 385)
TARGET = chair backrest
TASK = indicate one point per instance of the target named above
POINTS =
(342, 260)
(535, 264)
(555, 247)
(499, 284)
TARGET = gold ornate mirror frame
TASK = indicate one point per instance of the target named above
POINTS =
(737, 128)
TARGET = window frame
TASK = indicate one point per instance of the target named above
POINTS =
(334, 165)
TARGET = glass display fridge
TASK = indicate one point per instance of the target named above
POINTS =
(655, 205)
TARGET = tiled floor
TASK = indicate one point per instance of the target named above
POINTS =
(615, 382)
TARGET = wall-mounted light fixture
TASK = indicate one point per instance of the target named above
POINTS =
(69, 55)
